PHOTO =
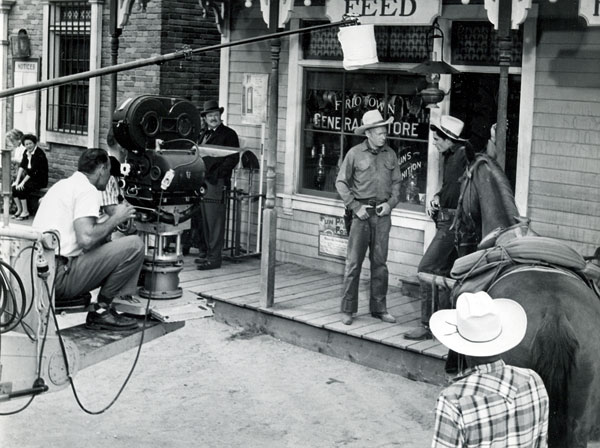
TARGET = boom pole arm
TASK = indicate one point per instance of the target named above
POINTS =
(183, 54)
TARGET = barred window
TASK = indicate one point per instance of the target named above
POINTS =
(69, 53)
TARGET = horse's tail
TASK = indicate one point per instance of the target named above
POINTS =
(554, 349)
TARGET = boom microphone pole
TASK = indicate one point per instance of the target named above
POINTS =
(182, 54)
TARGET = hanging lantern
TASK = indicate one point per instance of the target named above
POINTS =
(432, 69)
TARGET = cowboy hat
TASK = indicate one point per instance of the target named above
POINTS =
(372, 119)
(211, 106)
(480, 326)
(450, 126)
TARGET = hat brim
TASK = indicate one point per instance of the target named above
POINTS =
(204, 112)
(514, 324)
(435, 128)
(361, 129)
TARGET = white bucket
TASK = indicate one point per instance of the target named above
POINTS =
(358, 46)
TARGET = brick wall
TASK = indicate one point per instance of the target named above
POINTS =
(25, 14)
(164, 27)
(62, 162)
(197, 79)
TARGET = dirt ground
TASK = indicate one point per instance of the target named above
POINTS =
(211, 385)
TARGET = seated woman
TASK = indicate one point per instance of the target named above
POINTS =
(31, 176)
(13, 143)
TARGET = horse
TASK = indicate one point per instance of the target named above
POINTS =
(562, 342)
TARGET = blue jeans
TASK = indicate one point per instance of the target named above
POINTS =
(372, 234)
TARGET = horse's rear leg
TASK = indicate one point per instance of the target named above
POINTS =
(555, 350)
(583, 401)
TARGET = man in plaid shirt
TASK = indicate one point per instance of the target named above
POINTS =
(491, 404)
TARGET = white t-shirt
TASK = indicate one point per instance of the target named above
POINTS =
(67, 200)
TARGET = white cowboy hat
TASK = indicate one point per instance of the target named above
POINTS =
(449, 126)
(480, 326)
(372, 119)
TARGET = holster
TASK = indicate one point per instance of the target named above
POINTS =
(348, 220)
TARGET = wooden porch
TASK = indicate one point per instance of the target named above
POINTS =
(306, 313)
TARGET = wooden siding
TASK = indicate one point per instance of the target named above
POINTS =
(564, 194)
(297, 233)
(297, 241)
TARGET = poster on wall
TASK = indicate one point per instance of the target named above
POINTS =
(26, 106)
(254, 98)
(333, 239)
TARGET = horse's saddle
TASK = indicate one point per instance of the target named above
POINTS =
(478, 270)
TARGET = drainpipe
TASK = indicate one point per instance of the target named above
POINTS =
(115, 33)
(5, 7)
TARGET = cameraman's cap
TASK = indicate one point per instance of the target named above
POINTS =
(450, 126)
(211, 106)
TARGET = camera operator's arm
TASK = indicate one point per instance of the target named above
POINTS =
(90, 233)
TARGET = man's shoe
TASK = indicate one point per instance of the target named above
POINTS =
(347, 318)
(110, 319)
(208, 265)
(385, 317)
(419, 334)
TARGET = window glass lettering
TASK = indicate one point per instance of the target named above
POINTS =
(334, 105)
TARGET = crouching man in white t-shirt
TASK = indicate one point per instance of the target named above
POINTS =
(85, 260)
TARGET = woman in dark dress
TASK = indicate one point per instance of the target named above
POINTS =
(31, 176)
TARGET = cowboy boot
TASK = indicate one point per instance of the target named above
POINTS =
(423, 333)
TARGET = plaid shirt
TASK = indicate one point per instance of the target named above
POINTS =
(493, 405)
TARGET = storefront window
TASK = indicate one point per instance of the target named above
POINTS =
(334, 103)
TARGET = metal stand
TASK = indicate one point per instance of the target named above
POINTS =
(234, 235)
(163, 260)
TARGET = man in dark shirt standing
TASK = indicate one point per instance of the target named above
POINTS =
(210, 224)
(441, 253)
(369, 184)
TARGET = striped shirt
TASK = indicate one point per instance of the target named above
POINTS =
(110, 195)
(493, 405)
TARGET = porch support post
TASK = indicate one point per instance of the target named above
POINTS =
(505, 47)
(269, 236)
(5, 7)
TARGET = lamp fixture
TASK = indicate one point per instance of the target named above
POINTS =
(432, 69)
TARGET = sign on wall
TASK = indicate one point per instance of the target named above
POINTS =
(254, 98)
(386, 12)
(333, 239)
(25, 107)
(590, 11)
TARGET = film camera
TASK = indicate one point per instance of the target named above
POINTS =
(163, 178)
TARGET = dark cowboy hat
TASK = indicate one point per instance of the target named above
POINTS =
(211, 106)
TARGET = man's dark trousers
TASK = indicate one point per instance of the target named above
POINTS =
(372, 234)
(438, 260)
(212, 212)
